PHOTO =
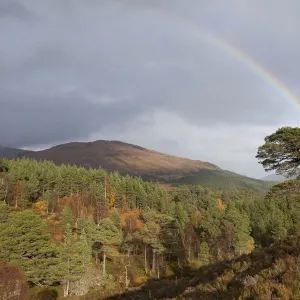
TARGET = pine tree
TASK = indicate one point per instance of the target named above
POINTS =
(4, 209)
(108, 235)
(80, 224)
(84, 248)
(204, 254)
(181, 215)
(25, 242)
(241, 229)
(115, 217)
(76, 256)
(66, 218)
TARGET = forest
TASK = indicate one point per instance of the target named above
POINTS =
(68, 232)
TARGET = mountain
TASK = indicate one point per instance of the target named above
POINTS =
(149, 164)
(6, 152)
(277, 178)
(274, 177)
(122, 157)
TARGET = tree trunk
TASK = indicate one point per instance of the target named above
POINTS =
(6, 192)
(153, 262)
(105, 196)
(127, 281)
(66, 288)
(157, 267)
(145, 258)
(104, 264)
(67, 284)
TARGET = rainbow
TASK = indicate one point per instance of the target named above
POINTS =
(241, 56)
(253, 65)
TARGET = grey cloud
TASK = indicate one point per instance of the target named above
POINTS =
(27, 120)
(108, 62)
(14, 9)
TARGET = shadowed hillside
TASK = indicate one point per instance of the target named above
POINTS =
(267, 273)
(6, 152)
(225, 180)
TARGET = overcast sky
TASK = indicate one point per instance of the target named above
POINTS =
(139, 72)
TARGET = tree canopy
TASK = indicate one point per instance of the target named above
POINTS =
(85, 228)
(281, 152)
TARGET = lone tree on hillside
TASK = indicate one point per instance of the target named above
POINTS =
(281, 152)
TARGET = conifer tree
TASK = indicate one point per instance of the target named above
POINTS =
(108, 235)
(115, 217)
(76, 256)
(66, 218)
(204, 254)
(4, 209)
(181, 215)
(25, 242)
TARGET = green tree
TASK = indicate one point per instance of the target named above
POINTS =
(108, 235)
(237, 231)
(281, 151)
(76, 256)
(25, 242)
(84, 248)
(66, 218)
(115, 217)
(3, 166)
(4, 209)
(181, 215)
(204, 254)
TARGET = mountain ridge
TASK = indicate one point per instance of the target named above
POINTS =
(152, 165)
(8, 152)
(277, 178)
(123, 157)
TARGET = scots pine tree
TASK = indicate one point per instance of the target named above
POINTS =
(25, 242)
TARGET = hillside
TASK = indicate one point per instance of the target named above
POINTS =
(190, 243)
(149, 164)
(267, 273)
(6, 152)
(123, 157)
(274, 177)
(225, 180)
(277, 178)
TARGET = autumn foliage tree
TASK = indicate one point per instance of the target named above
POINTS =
(13, 283)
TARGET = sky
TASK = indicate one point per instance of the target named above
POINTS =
(142, 71)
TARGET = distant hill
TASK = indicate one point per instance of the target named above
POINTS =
(6, 152)
(277, 178)
(149, 164)
(225, 180)
(123, 157)
(274, 177)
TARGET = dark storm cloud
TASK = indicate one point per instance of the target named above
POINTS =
(86, 66)
(32, 120)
